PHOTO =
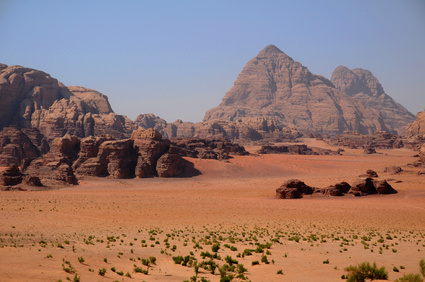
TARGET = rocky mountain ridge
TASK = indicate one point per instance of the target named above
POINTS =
(273, 85)
(362, 85)
(274, 98)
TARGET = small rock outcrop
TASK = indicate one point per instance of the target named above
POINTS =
(293, 189)
(296, 150)
(393, 170)
(377, 140)
(218, 149)
(367, 186)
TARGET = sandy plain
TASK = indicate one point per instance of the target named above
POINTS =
(118, 224)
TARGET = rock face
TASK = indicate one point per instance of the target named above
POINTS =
(18, 148)
(149, 146)
(417, 127)
(422, 154)
(56, 165)
(170, 164)
(11, 176)
(247, 129)
(274, 86)
(218, 149)
(378, 140)
(362, 85)
(32, 98)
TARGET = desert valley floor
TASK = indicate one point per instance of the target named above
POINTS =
(117, 225)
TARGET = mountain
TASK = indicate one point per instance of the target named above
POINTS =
(274, 86)
(362, 85)
(32, 98)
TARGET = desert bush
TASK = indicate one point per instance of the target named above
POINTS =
(365, 271)
(410, 277)
(102, 271)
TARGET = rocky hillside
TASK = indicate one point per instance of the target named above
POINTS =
(274, 86)
(32, 98)
(362, 85)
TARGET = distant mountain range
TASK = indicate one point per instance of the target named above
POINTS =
(273, 97)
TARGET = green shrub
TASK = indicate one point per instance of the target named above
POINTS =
(365, 271)
(280, 271)
(102, 271)
(255, 262)
(410, 277)
(215, 248)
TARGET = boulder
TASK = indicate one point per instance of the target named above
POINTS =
(382, 187)
(371, 173)
(293, 189)
(393, 170)
(363, 186)
(369, 150)
(339, 189)
(32, 181)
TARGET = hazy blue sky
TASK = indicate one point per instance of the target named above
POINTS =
(177, 59)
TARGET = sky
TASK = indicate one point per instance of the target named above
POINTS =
(177, 59)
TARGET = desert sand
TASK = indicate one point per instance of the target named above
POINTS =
(116, 224)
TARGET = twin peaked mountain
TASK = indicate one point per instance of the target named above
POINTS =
(272, 96)
(274, 86)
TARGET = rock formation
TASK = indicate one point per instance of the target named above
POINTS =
(247, 129)
(274, 86)
(417, 127)
(295, 189)
(11, 176)
(56, 165)
(362, 85)
(379, 140)
(296, 149)
(18, 148)
(218, 149)
(32, 98)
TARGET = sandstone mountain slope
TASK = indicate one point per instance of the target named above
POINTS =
(274, 86)
(32, 98)
(362, 85)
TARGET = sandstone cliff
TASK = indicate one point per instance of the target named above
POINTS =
(32, 98)
(362, 85)
(417, 127)
(274, 86)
